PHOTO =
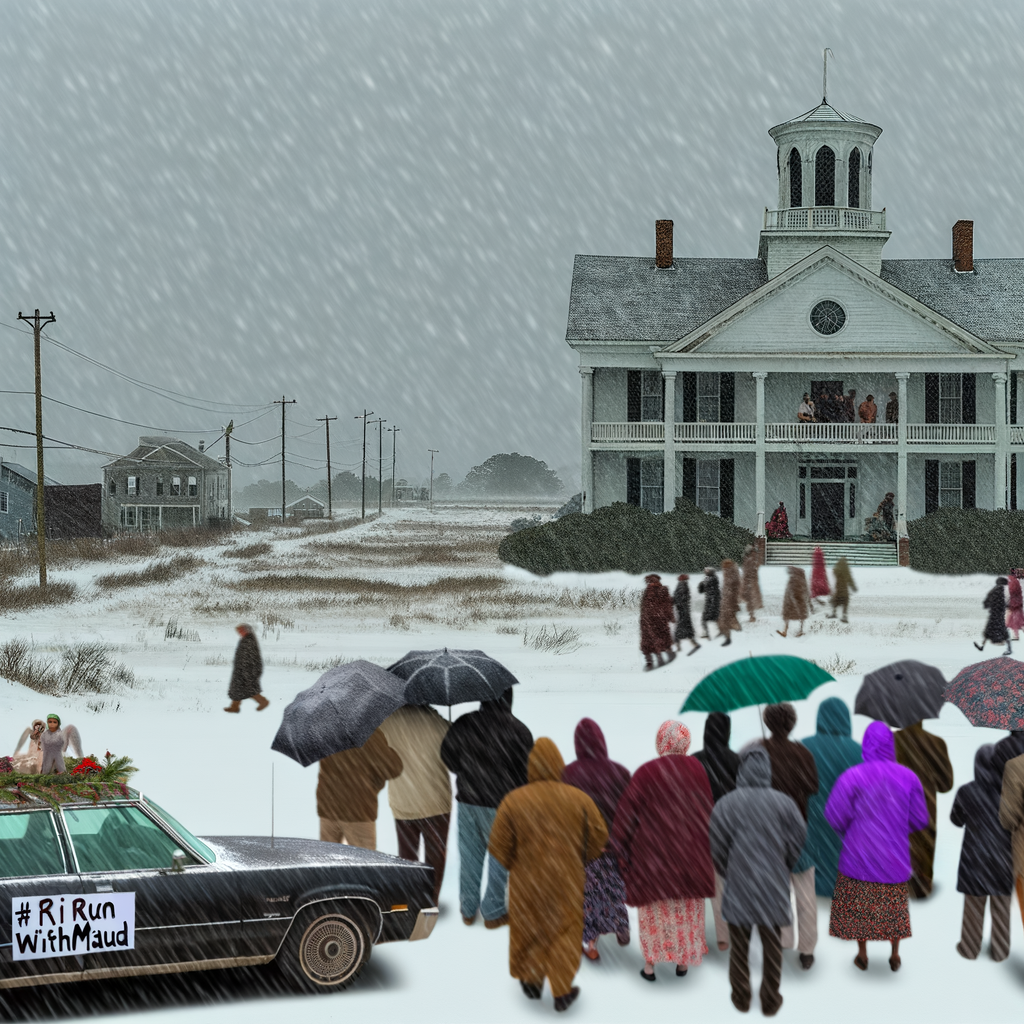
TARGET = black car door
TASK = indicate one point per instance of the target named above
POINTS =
(34, 873)
(180, 916)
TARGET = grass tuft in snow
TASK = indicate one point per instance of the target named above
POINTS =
(159, 572)
(173, 631)
(27, 596)
(837, 665)
(556, 640)
(81, 668)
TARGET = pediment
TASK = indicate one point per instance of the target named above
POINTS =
(878, 317)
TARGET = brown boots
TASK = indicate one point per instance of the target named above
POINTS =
(236, 705)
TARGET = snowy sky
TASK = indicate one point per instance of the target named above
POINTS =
(377, 205)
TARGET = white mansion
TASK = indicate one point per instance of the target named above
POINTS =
(694, 369)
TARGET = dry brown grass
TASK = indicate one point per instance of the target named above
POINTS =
(446, 586)
(159, 572)
(81, 668)
(261, 547)
(31, 595)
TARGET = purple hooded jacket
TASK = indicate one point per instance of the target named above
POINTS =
(875, 806)
(603, 780)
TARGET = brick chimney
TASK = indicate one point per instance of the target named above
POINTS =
(663, 244)
(202, 445)
(963, 246)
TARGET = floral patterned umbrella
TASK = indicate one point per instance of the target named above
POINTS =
(990, 693)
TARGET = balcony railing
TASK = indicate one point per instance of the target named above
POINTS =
(951, 433)
(1016, 435)
(643, 431)
(712, 432)
(823, 218)
(839, 433)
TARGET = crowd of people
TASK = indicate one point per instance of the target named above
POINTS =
(835, 407)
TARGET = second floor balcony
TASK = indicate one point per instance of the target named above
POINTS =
(824, 218)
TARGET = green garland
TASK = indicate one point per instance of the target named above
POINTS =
(109, 781)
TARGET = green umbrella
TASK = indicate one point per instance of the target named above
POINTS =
(765, 680)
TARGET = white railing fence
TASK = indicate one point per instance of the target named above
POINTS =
(840, 433)
(643, 431)
(951, 433)
(711, 432)
(815, 218)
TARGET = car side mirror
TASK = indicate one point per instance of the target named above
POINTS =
(178, 860)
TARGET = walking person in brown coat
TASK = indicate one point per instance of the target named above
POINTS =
(656, 617)
(346, 792)
(729, 608)
(544, 835)
(246, 672)
(1011, 817)
(844, 583)
(926, 756)
(796, 600)
(751, 587)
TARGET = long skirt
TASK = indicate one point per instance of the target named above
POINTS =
(1015, 619)
(672, 931)
(869, 911)
(604, 900)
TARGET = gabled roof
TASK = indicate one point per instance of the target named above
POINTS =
(307, 497)
(989, 302)
(627, 298)
(28, 474)
(165, 452)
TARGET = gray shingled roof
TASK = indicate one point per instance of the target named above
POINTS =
(989, 303)
(626, 298)
(168, 452)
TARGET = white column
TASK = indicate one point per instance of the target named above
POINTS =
(759, 450)
(1002, 443)
(1020, 423)
(670, 439)
(586, 424)
(901, 456)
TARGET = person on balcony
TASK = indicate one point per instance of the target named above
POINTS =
(868, 411)
(826, 408)
(777, 527)
(849, 406)
(892, 409)
(805, 414)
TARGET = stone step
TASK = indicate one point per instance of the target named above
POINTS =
(787, 552)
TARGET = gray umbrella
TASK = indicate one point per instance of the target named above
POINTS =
(338, 712)
(452, 677)
(902, 693)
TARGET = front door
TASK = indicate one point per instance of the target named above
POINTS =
(827, 521)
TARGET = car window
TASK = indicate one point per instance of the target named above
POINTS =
(118, 839)
(196, 844)
(29, 845)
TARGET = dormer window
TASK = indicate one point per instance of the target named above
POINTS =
(853, 190)
(825, 177)
(796, 182)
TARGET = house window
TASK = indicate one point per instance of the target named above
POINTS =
(796, 182)
(651, 396)
(129, 515)
(803, 501)
(951, 398)
(825, 177)
(853, 501)
(159, 485)
(950, 484)
(175, 485)
(113, 487)
(652, 485)
(709, 401)
(3, 501)
(853, 191)
(709, 487)
(192, 489)
(133, 485)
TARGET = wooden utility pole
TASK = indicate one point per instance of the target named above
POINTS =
(38, 323)
(282, 402)
(363, 485)
(326, 421)
(394, 449)
(227, 462)
(433, 452)
(380, 466)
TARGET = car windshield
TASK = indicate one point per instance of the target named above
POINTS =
(29, 845)
(197, 844)
(119, 838)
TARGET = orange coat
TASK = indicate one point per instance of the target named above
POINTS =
(544, 834)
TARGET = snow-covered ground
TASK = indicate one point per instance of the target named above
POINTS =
(214, 771)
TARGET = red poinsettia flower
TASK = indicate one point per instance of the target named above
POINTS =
(87, 766)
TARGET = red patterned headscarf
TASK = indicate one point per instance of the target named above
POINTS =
(673, 738)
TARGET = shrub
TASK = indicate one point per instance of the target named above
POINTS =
(958, 541)
(83, 668)
(627, 538)
(158, 572)
(31, 595)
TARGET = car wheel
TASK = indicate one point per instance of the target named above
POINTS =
(325, 949)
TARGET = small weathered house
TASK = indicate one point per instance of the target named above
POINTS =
(306, 507)
(17, 501)
(164, 484)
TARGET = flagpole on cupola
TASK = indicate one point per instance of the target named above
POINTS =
(824, 73)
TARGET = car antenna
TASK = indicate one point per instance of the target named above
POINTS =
(271, 804)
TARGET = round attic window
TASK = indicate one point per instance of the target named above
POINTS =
(828, 317)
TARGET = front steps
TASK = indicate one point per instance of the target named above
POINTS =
(791, 552)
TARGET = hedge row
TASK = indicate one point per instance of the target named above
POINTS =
(627, 538)
(963, 541)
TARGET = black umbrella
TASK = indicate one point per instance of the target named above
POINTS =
(338, 712)
(901, 694)
(452, 677)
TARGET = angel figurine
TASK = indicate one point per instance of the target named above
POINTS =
(32, 760)
(54, 742)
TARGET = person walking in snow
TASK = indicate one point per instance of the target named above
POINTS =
(795, 601)
(1011, 817)
(756, 835)
(246, 672)
(708, 586)
(844, 583)
(995, 626)
(819, 577)
(604, 781)
(656, 617)
(986, 859)
(487, 750)
(1015, 606)
(751, 587)
(544, 835)
(661, 840)
(729, 606)
(684, 618)
(875, 806)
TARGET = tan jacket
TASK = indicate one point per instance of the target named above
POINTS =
(350, 780)
(424, 789)
(1011, 809)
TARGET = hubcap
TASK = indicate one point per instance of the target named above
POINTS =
(330, 950)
